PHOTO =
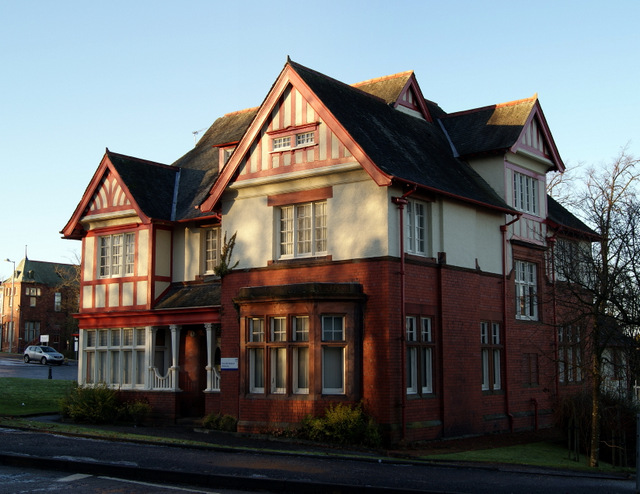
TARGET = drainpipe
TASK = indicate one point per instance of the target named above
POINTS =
(552, 242)
(504, 228)
(401, 202)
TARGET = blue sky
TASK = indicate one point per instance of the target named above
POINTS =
(139, 77)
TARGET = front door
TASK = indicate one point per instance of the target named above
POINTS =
(193, 373)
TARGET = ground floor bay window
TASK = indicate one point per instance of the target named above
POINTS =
(294, 348)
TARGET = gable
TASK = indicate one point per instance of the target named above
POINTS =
(109, 197)
(293, 138)
(536, 140)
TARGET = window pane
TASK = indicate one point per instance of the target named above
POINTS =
(127, 364)
(427, 370)
(321, 227)
(286, 231)
(412, 371)
(115, 368)
(211, 249)
(301, 328)
(301, 370)
(303, 229)
(89, 370)
(485, 369)
(426, 330)
(332, 369)
(278, 329)
(411, 328)
(141, 368)
(256, 329)
(116, 255)
(278, 370)
(127, 337)
(130, 252)
(332, 329)
(496, 369)
(101, 367)
(256, 370)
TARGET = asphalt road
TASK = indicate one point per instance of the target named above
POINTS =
(266, 471)
(13, 366)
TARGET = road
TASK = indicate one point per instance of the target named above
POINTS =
(254, 470)
(13, 366)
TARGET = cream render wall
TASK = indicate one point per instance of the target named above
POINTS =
(356, 216)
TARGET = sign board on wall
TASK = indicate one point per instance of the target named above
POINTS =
(228, 364)
(44, 338)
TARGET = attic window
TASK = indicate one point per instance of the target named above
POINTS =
(292, 138)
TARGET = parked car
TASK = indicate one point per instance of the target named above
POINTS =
(43, 354)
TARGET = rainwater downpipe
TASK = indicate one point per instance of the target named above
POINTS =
(401, 202)
(504, 228)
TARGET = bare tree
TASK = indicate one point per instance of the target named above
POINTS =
(598, 282)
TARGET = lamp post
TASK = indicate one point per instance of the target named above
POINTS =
(10, 333)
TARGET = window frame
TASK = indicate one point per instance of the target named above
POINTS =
(331, 345)
(210, 255)
(120, 255)
(526, 290)
(420, 354)
(491, 351)
(525, 193)
(293, 138)
(294, 231)
(416, 231)
(570, 352)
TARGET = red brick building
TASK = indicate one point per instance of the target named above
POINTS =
(387, 252)
(38, 300)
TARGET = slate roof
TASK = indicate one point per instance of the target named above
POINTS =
(405, 147)
(489, 129)
(150, 184)
(199, 167)
(560, 216)
(180, 296)
(42, 272)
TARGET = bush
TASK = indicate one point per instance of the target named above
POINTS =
(215, 421)
(617, 426)
(342, 424)
(100, 405)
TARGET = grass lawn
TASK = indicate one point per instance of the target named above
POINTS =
(542, 454)
(31, 396)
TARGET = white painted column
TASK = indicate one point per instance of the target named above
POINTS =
(175, 353)
(150, 345)
(210, 335)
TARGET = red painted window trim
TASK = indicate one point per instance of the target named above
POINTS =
(300, 197)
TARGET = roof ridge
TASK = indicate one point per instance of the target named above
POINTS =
(237, 112)
(328, 77)
(494, 106)
(148, 162)
(383, 78)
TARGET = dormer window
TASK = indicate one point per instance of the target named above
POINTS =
(293, 138)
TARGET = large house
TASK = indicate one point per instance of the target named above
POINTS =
(338, 244)
(36, 304)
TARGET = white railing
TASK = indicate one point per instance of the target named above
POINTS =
(213, 379)
(158, 382)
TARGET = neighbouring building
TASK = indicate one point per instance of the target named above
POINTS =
(387, 252)
(37, 301)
